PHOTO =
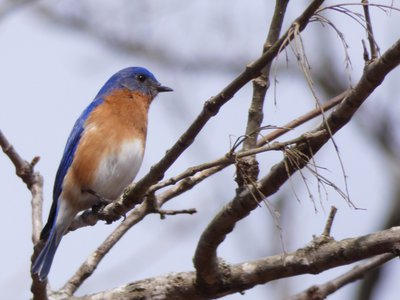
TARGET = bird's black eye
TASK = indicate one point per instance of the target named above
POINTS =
(141, 77)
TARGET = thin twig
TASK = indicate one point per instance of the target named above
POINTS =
(371, 39)
(365, 52)
(23, 169)
(169, 212)
(329, 222)
(303, 119)
(186, 184)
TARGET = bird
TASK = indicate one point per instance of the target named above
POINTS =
(102, 155)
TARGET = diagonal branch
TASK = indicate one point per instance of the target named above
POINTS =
(188, 178)
(224, 161)
(153, 205)
(91, 263)
(312, 259)
(205, 260)
(320, 292)
(211, 107)
(185, 183)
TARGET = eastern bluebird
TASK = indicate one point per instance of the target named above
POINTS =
(102, 156)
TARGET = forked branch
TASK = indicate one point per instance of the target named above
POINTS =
(205, 260)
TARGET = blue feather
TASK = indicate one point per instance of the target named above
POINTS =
(66, 161)
(44, 260)
(117, 81)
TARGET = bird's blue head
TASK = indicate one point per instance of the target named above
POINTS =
(136, 79)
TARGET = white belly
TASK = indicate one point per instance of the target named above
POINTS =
(117, 170)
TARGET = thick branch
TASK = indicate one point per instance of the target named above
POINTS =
(312, 259)
(205, 260)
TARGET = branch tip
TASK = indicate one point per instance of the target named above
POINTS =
(329, 222)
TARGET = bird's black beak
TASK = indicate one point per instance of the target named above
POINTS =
(161, 89)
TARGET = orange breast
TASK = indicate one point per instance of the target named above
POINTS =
(120, 119)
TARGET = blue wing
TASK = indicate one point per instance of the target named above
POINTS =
(66, 161)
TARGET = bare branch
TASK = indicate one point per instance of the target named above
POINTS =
(23, 169)
(371, 39)
(304, 118)
(169, 212)
(34, 182)
(320, 292)
(205, 260)
(114, 210)
(329, 222)
(151, 205)
(134, 195)
(187, 179)
(91, 263)
(311, 259)
(260, 87)
(32, 179)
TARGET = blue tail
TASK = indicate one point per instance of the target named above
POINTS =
(43, 262)
(59, 221)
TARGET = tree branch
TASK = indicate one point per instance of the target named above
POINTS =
(34, 182)
(368, 24)
(320, 292)
(205, 260)
(225, 161)
(23, 169)
(91, 263)
(255, 114)
(211, 107)
(32, 179)
(196, 174)
(329, 222)
(312, 259)
(153, 205)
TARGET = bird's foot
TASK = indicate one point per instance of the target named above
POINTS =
(100, 203)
